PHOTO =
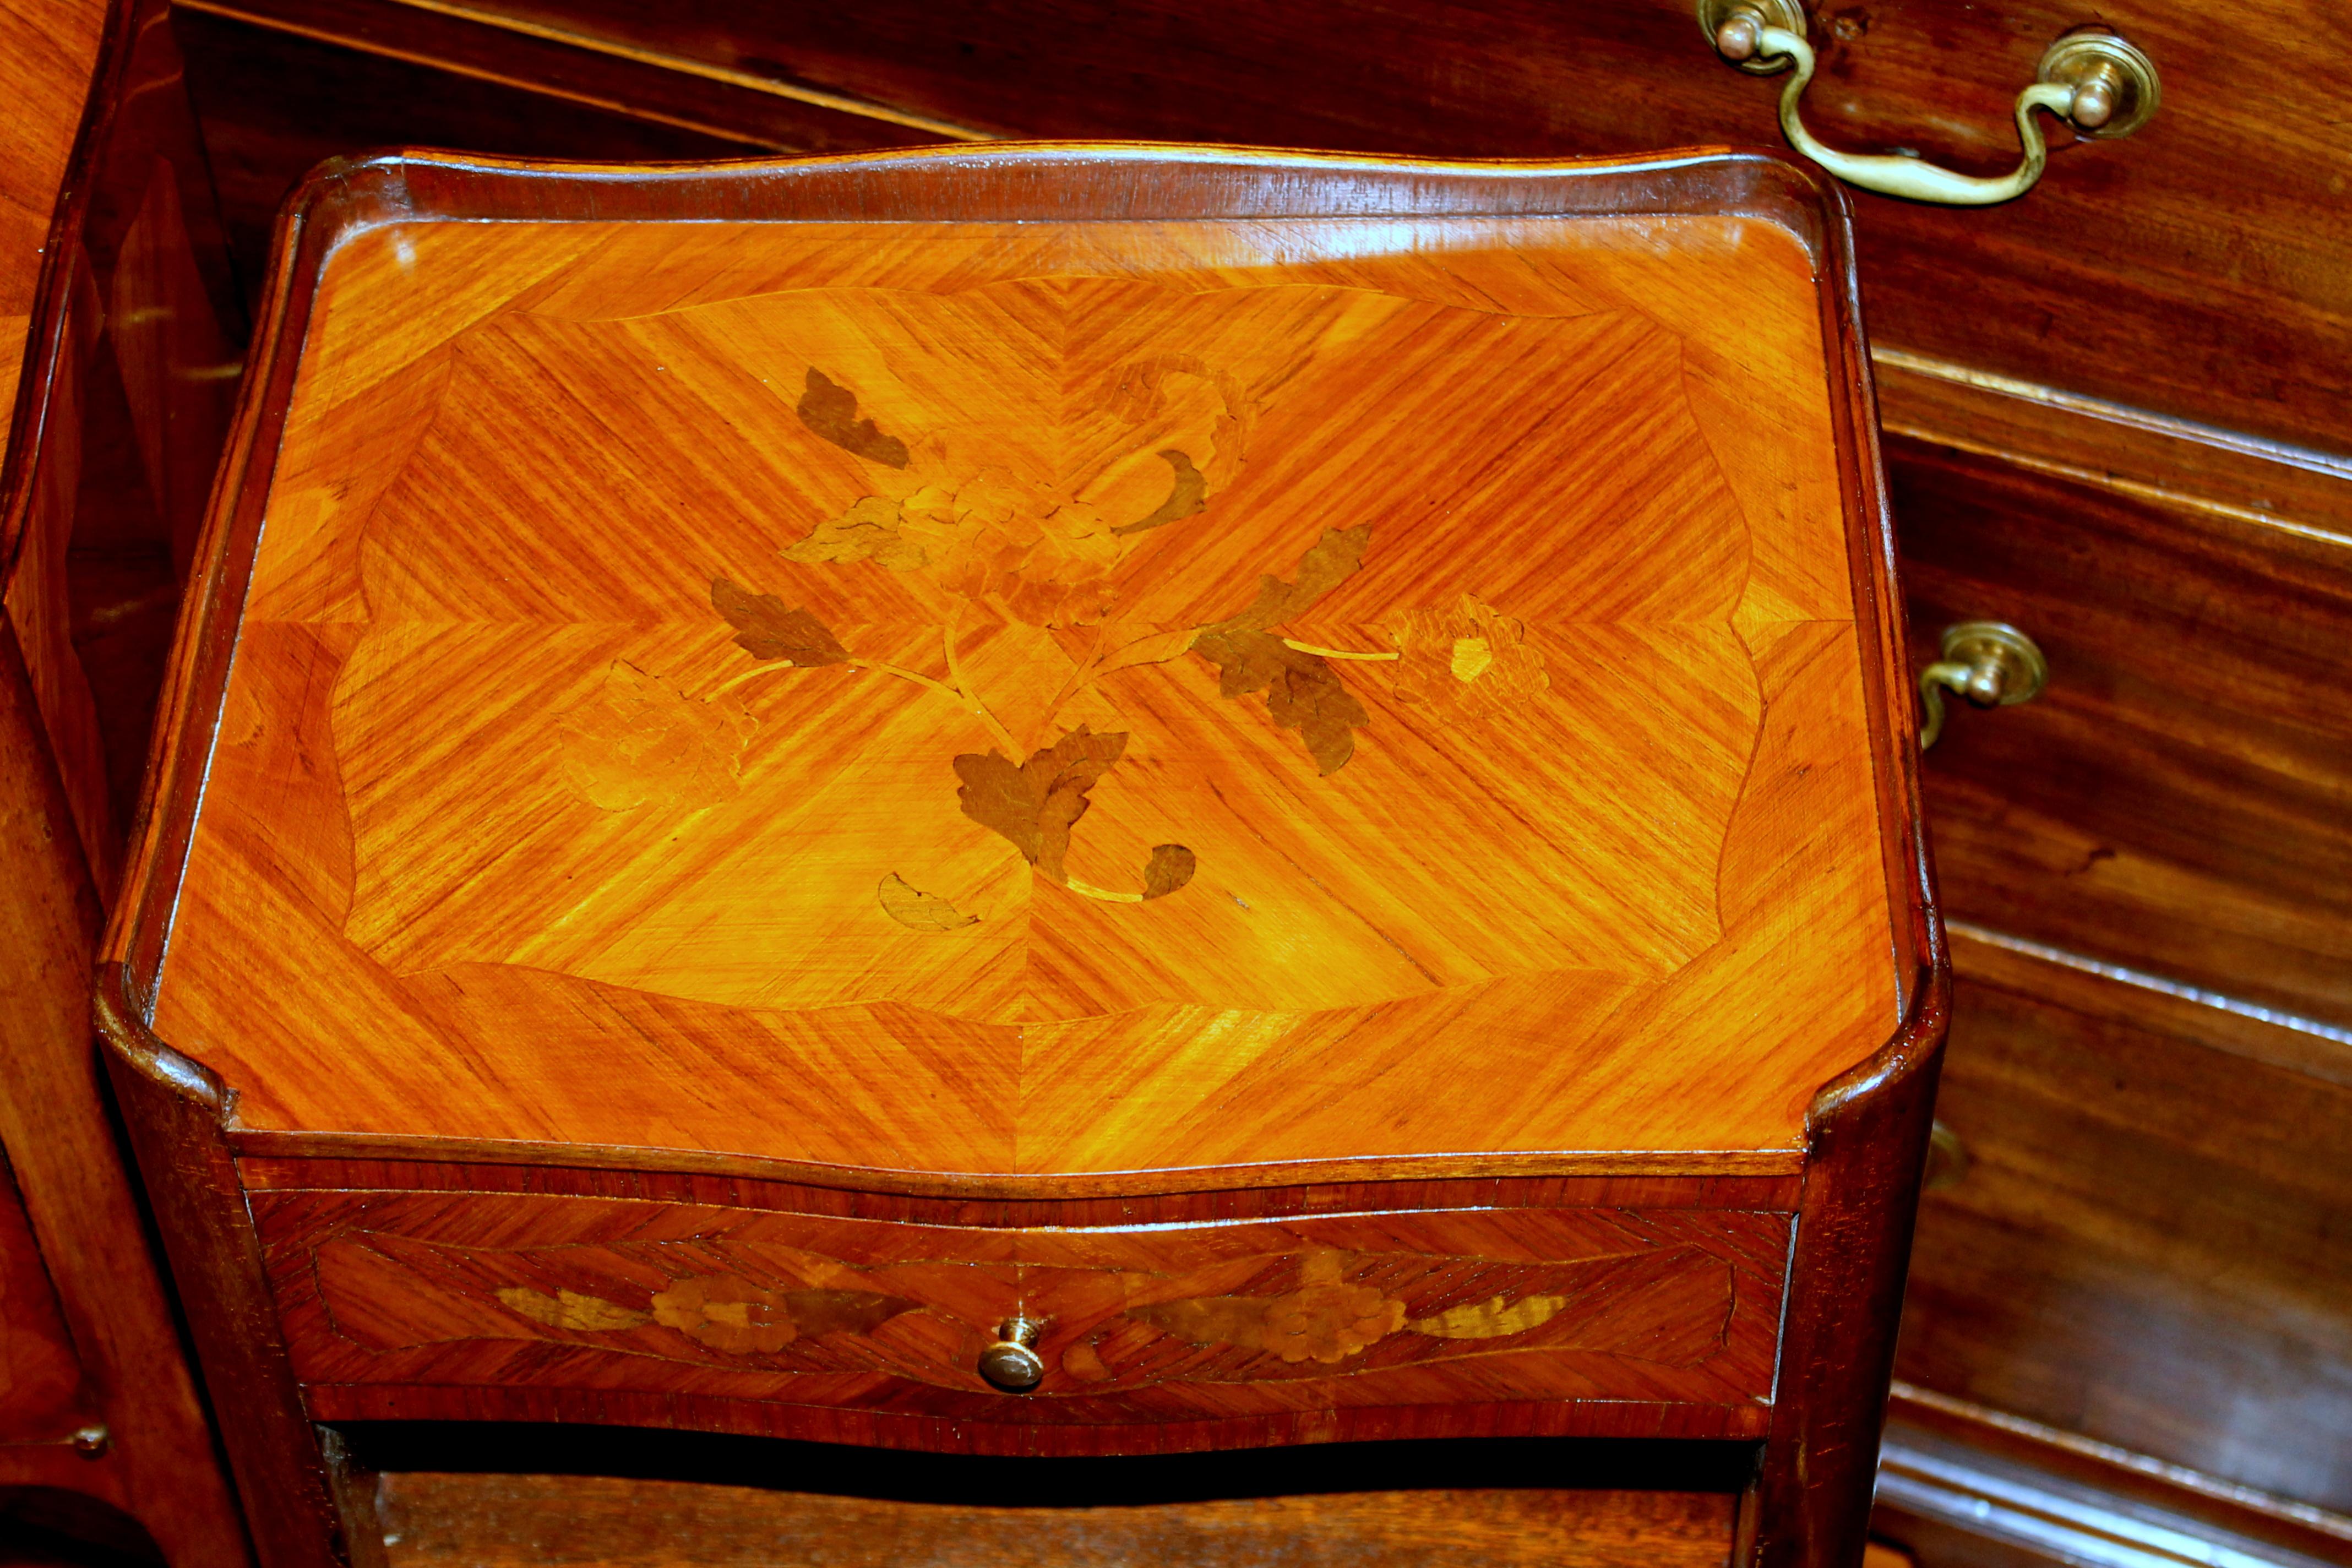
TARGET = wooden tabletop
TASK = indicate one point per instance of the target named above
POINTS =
(1045, 697)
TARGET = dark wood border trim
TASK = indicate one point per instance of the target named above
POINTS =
(173, 1108)
(45, 335)
(1733, 1165)
(1632, 1419)
(1853, 1250)
(680, 1183)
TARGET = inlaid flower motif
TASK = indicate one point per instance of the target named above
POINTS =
(641, 740)
(1325, 1320)
(1043, 550)
(1468, 660)
(727, 1314)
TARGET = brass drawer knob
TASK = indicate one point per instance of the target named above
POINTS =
(1947, 1159)
(1011, 1363)
(1990, 664)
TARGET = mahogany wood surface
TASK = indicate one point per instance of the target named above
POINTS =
(2177, 270)
(1013, 597)
(276, 104)
(488, 1521)
(2176, 799)
(1977, 1457)
(95, 1398)
(1175, 1326)
(39, 1372)
(2121, 1258)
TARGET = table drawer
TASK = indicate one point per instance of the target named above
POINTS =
(1666, 1319)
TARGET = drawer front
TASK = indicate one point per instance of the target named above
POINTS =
(1654, 1309)
(2177, 799)
(2148, 1242)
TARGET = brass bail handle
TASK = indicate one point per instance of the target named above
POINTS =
(2091, 77)
(1990, 664)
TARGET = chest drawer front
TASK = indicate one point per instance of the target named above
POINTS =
(1146, 1325)
(2146, 1242)
(2175, 799)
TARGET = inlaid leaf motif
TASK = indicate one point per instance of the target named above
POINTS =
(766, 627)
(1190, 494)
(1040, 571)
(831, 411)
(921, 911)
(868, 530)
(1152, 648)
(1209, 1320)
(640, 740)
(1044, 549)
(1468, 660)
(738, 1316)
(1171, 866)
(1302, 692)
(569, 1310)
(1490, 1320)
(1034, 803)
(1331, 1322)
(1328, 562)
(1325, 1320)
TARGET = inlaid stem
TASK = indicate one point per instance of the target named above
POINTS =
(1336, 652)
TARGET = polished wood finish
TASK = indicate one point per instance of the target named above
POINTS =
(2119, 1260)
(1971, 1483)
(2170, 270)
(1310, 935)
(431, 1519)
(925, 1048)
(2175, 801)
(276, 104)
(2151, 1029)
(96, 1403)
(1992, 328)
(1668, 1319)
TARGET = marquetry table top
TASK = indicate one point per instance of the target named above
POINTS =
(1053, 696)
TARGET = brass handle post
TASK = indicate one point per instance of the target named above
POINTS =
(1990, 663)
(2091, 77)
(1011, 1363)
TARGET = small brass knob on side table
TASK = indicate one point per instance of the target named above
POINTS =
(1990, 663)
(1011, 1363)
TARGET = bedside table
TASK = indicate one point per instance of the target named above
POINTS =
(1058, 800)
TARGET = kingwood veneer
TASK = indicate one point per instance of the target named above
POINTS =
(1293, 768)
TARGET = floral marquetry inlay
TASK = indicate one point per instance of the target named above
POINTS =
(1048, 698)
(786, 1296)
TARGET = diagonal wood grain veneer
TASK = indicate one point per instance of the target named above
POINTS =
(1288, 774)
(521, 842)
